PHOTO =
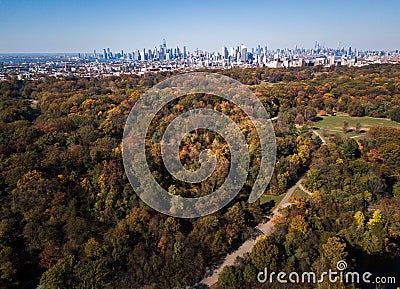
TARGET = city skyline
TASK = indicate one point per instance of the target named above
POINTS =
(57, 26)
(164, 58)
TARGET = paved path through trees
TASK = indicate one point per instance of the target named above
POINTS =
(247, 246)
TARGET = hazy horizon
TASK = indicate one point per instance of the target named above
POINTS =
(73, 27)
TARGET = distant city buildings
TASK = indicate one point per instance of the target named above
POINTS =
(164, 58)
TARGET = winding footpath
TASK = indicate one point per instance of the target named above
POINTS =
(304, 189)
(264, 228)
(247, 246)
(320, 136)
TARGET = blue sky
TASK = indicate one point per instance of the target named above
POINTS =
(72, 26)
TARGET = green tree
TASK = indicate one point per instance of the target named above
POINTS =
(228, 278)
(61, 275)
(313, 180)
(351, 150)
(394, 114)
(7, 265)
(356, 109)
(249, 273)
(264, 254)
(396, 191)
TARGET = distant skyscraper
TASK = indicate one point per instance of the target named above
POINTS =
(105, 56)
(225, 53)
(243, 53)
(143, 54)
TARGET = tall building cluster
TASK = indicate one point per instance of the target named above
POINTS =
(164, 58)
(242, 55)
(161, 53)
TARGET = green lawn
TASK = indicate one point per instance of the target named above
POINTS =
(300, 193)
(332, 125)
(265, 198)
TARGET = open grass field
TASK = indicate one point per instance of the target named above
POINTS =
(265, 198)
(331, 125)
(300, 193)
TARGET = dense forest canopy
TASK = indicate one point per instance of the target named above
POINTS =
(70, 219)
